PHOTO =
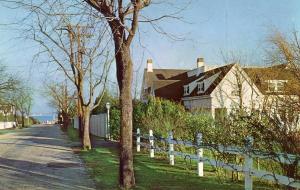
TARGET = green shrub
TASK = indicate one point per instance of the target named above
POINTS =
(198, 123)
(115, 115)
(161, 116)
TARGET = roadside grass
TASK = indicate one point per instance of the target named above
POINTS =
(73, 134)
(103, 164)
(5, 131)
(12, 130)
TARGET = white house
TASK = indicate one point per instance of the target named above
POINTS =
(217, 89)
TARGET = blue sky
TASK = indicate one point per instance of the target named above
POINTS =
(239, 26)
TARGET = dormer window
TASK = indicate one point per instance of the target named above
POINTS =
(186, 90)
(276, 85)
(200, 87)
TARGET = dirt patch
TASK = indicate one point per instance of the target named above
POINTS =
(76, 149)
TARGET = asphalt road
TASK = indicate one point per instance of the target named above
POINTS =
(40, 158)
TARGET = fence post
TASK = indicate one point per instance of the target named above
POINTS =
(200, 155)
(248, 163)
(171, 148)
(151, 141)
(138, 140)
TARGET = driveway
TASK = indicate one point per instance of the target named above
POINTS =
(39, 158)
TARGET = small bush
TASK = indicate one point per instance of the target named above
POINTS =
(115, 115)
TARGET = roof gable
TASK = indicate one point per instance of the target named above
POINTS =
(160, 75)
(212, 79)
(282, 72)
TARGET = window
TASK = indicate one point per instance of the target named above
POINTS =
(280, 86)
(276, 85)
(200, 87)
(272, 86)
(186, 90)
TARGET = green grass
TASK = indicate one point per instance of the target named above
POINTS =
(5, 131)
(153, 174)
(102, 164)
(73, 134)
(12, 130)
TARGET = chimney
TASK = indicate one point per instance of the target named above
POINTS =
(200, 62)
(200, 65)
(149, 65)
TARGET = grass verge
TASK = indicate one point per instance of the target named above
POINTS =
(73, 134)
(153, 174)
(12, 130)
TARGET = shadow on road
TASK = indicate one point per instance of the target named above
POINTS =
(40, 158)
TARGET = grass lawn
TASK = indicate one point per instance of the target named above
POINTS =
(5, 131)
(73, 134)
(153, 173)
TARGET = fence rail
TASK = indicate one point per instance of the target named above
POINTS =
(247, 152)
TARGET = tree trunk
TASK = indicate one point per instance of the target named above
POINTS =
(79, 110)
(65, 122)
(124, 75)
(16, 118)
(86, 133)
(291, 171)
(23, 122)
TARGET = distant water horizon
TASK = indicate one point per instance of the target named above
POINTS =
(43, 118)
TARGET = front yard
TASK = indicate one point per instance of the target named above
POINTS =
(102, 163)
(155, 173)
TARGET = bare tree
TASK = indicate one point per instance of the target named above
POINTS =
(78, 54)
(8, 86)
(115, 14)
(283, 103)
(123, 18)
(22, 99)
(8, 83)
(62, 100)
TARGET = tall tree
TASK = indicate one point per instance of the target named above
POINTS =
(66, 33)
(118, 14)
(80, 53)
(8, 82)
(61, 99)
(9, 85)
(123, 18)
(22, 99)
(285, 105)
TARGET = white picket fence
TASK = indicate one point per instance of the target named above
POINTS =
(7, 125)
(247, 152)
(98, 125)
